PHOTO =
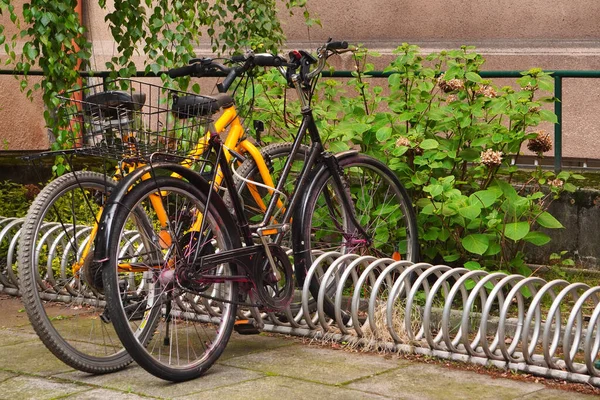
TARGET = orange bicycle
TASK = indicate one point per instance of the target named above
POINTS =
(129, 121)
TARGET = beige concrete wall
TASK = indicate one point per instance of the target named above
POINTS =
(464, 20)
(511, 35)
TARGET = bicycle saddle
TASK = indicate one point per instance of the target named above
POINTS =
(110, 103)
(200, 106)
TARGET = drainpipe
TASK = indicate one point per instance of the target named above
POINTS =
(78, 95)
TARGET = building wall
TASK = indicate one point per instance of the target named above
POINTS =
(511, 34)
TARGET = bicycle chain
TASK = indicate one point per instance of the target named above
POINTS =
(239, 303)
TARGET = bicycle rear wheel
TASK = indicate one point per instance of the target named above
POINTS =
(381, 206)
(53, 255)
(173, 326)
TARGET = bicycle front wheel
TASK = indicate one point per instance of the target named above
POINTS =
(174, 322)
(381, 206)
(55, 251)
(383, 223)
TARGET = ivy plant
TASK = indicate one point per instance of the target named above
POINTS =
(165, 32)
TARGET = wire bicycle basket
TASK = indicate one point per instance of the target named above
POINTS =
(129, 119)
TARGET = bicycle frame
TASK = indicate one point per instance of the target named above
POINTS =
(316, 156)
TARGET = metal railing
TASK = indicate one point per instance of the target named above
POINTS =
(558, 75)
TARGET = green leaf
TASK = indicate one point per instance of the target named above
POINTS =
(337, 146)
(434, 190)
(429, 209)
(429, 144)
(382, 234)
(484, 198)
(507, 189)
(494, 249)
(497, 138)
(473, 77)
(406, 116)
(537, 238)
(548, 115)
(384, 133)
(451, 257)
(476, 243)
(469, 154)
(472, 265)
(548, 221)
(399, 151)
(516, 230)
(431, 234)
(470, 212)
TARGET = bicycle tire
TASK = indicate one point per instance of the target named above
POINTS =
(156, 295)
(60, 306)
(381, 205)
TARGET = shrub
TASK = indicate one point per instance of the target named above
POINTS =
(449, 135)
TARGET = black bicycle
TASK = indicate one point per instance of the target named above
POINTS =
(173, 297)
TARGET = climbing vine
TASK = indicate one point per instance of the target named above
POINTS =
(165, 33)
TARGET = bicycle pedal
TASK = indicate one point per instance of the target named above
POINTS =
(245, 327)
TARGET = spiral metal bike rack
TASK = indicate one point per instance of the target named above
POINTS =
(509, 321)
(527, 324)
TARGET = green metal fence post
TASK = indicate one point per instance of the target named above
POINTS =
(558, 125)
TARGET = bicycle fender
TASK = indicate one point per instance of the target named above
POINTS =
(298, 226)
(113, 203)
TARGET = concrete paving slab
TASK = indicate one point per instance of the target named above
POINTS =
(32, 358)
(4, 375)
(240, 345)
(89, 328)
(28, 387)
(423, 381)
(278, 387)
(9, 337)
(315, 364)
(104, 394)
(136, 380)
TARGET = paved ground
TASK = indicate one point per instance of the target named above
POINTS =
(262, 367)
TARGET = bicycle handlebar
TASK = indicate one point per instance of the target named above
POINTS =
(250, 60)
(183, 71)
(337, 45)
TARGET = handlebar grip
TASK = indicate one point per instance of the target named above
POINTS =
(224, 86)
(337, 45)
(183, 71)
(267, 60)
(240, 58)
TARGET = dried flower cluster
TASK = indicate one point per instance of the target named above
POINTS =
(486, 91)
(402, 141)
(540, 144)
(31, 191)
(451, 85)
(451, 98)
(491, 158)
(556, 183)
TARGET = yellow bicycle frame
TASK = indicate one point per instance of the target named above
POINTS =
(229, 118)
